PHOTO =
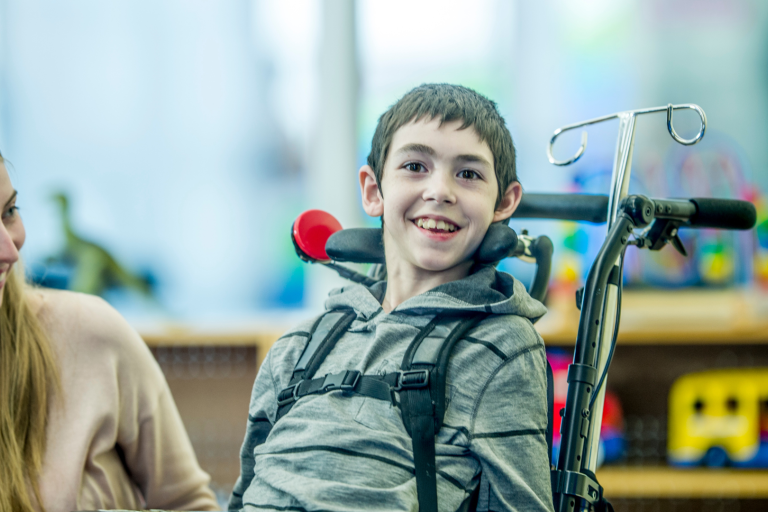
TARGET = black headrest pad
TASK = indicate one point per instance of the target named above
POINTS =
(364, 245)
(499, 241)
(356, 245)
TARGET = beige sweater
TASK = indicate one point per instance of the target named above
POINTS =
(115, 438)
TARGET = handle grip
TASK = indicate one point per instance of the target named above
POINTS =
(723, 213)
(584, 207)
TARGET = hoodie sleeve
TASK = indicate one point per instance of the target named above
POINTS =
(508, 433)
(262, 411)
(261, 414)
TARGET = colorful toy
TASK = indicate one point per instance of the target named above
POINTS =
(612, 441)
(761, 246)
(719, 418)
(86, 266)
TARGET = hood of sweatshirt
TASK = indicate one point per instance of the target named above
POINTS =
(487, 290)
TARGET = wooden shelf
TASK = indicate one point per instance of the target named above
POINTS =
(666, 482)
(685, 317)
(180, 337)
(189, 338)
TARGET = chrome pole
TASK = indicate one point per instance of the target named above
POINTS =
(620, 178)
(622, 169)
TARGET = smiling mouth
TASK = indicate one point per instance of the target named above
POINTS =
(436, 226)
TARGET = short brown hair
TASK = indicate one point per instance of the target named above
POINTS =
(448, 103)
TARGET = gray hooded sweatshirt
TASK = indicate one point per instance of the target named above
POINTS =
(345, 452)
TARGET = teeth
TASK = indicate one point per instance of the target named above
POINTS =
(425, 223)
(433, 224)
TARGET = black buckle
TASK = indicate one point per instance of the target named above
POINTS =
(411, 379)
(289, 394)
(336, 381)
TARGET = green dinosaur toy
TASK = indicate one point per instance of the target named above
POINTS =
(95, 270)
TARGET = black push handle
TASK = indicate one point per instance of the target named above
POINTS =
(709, 212)
(723, 213)
(584, 207)
(706, 212)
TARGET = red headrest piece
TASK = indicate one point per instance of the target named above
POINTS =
(311, 231)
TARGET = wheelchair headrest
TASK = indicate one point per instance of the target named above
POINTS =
(318, 236)
(364, 245)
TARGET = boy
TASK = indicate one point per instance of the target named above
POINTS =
(441, 170)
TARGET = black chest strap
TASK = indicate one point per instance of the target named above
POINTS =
(382, 387)
(323, 337)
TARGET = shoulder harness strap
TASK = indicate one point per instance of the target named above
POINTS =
(323, 338)
(423, 407)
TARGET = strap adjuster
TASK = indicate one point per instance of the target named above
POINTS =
(344, 381)
(289, 394)
(411, 379)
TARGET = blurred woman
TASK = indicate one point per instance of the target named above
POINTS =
(86, 417)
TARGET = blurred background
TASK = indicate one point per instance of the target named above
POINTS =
(187, 136)
(162, 150)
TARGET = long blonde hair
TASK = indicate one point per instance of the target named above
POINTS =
(29, 378)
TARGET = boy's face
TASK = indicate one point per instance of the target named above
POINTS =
(439, 193)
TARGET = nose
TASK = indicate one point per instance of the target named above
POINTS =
(440, 187)
(9, 253)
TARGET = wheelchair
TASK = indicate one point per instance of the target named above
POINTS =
(632, 220)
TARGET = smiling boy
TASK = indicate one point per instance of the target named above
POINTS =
(441, 170)
(441, 191)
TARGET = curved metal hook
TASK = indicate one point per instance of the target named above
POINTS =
(673, 133)
(575, 157)
(631, 113)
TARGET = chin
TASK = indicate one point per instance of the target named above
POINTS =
(438, 264)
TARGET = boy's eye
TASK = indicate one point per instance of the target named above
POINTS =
(468, 174)
(414, 166)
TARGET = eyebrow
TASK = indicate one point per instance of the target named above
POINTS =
(473, 158)
(10, 199)
(417, 148)
(423, 148)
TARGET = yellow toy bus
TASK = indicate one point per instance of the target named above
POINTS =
(719, 418)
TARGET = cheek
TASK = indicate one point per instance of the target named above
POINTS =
(18, 235)
(397, 203)
(482, 211)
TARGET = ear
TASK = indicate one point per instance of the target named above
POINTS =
(509, 202)
(373, 203)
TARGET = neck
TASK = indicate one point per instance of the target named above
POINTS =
(405, 281)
